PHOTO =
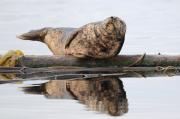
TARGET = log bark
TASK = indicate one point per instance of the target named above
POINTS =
(118, 61)
(68, 67)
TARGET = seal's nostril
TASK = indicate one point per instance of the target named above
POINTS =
(112, 17)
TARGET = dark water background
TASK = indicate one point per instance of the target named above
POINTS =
(152, 27)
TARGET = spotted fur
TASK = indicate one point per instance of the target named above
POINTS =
(100, 40)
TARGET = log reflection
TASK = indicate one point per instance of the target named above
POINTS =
(103, 94)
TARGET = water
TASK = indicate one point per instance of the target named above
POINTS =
(95, 98)
(153, 27)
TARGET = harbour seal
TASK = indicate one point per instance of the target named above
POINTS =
(103, 39)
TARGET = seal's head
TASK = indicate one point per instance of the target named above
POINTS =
(114, 26)
(103, 39)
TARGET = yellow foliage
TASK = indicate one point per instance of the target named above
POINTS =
(10, 58)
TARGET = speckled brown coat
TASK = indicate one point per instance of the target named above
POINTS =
(102, 39)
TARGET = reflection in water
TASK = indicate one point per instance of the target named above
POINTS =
(7, 76)
(104, 94)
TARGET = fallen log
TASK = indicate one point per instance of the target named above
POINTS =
(118, 61)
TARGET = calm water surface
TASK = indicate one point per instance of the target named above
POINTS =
(153, 27)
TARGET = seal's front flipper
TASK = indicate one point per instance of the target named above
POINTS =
(34, 35)
(71, 37)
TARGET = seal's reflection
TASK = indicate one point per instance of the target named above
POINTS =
(104, 94)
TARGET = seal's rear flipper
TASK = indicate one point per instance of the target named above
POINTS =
(34, 35)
